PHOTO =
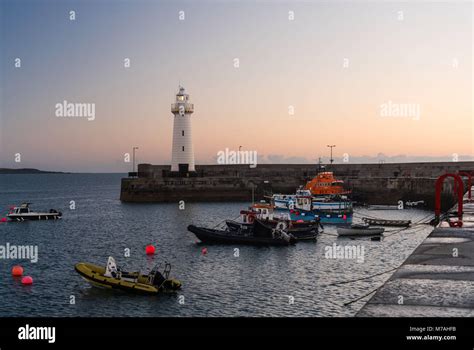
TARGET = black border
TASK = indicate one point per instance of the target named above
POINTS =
(149, 332)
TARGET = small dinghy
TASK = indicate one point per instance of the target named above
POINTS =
(359, 230)
(383, 222)
(23, 212)
(259, 234)
(113, 277)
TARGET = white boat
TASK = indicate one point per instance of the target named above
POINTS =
(359, 230)
(23, 213)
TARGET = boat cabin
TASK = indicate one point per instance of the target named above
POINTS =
(302, 203)
(22, 209)
(325, 184)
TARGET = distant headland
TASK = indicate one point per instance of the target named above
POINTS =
(28, 171)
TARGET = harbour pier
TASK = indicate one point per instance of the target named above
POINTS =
(383, 183)
(437, 279)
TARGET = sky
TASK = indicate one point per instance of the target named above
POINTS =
(309, 74)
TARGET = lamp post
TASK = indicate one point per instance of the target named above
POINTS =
(331, 146)
(319, 164)
(133, 166)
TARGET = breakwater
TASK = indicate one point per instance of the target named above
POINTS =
(386, 183)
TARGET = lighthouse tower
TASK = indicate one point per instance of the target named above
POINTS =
(182, 158)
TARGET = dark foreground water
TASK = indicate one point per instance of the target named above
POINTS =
(273, 281)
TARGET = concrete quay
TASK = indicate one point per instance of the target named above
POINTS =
(437, 279)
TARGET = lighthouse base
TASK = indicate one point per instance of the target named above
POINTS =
(183, 171)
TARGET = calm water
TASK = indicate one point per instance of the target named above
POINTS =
(259, 282)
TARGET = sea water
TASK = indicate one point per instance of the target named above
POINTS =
(227, 281)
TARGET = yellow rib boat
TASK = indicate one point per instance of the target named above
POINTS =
(113, 277)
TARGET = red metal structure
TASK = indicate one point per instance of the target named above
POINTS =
(469, 181)
(459, 191)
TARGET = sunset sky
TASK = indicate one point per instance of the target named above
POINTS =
(424, 58)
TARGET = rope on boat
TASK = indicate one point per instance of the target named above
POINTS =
(220, 223)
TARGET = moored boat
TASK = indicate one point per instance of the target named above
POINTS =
(24, 213)
(260, 234)
(301, 231)
(324, 183)
(112, 277)
(383, 222)
(359, 230)
(329, 209)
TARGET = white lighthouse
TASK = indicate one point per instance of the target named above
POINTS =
(182, 158)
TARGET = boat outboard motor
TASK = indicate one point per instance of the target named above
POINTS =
(111, 268)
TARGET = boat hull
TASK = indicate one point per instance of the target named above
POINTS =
(391, 223)
(343, 231)
(34, 217)
(318, 205)
(333, 218)
(94, 274)
(207, 235)
(301, 231)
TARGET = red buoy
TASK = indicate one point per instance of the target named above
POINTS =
(17, 271)
(3, 220)
(204, 251)
(149, 250)
(27, 280)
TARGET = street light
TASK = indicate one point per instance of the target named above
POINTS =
(133, 166)
(331, 146)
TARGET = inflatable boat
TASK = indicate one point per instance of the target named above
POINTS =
(112, 277)
(259, 234)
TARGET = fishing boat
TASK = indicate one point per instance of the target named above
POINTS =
(332, 202)
(301, 208)
(359, 230)
(23, 212)
(329, 209)
(260, 234)
(383, 222)
(326, 202)
(112, 277)
(291, 217)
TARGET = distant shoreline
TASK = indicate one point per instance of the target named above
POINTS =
(28, 171)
